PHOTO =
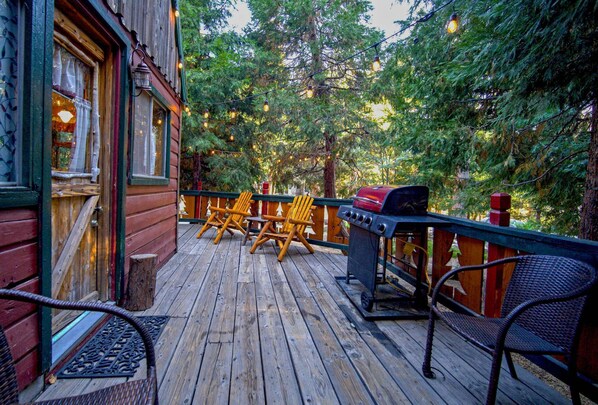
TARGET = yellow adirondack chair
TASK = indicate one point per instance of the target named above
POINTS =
(293, 226)
(228, 219)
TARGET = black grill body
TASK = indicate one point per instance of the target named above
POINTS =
(369, 228)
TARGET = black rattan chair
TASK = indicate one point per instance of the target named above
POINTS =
(138, 392)
(540, 314)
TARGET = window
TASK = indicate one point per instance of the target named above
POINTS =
(11, 145)
(150, 140)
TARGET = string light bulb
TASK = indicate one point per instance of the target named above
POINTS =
(310, 91)
(176, 13)
(180, 65)
(453, 24)
(206, 114)
(205, 124)
(266, 106)
(232, 138)
(376, 65)
(187, 109)
(233, 113)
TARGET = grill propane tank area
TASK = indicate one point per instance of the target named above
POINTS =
(379, 214)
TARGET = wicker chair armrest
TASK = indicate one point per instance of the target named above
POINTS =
(273, 218)
(23, 296)
(238, 212)
(217, 209)
(451, 273)
(524, 306)
(300, 222)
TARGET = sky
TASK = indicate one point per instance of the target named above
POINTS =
(385, 12)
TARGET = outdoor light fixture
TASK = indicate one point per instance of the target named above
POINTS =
(140, 73)
(376, 65)
(266, 106)
(310, 91)
(453, 24)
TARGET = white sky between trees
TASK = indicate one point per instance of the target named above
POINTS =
(383, 15)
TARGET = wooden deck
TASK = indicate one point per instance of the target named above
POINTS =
(245, 329)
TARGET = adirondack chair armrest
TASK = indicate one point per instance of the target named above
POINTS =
(300, 222)
(218, 209)
(273, 218)
(231, 211)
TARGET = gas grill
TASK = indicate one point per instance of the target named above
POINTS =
(380, 213)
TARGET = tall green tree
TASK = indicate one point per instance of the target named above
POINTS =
(305, 44)
(508, 103)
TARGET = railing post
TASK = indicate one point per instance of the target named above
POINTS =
(500, 203)
(265, 191)
(197, 213)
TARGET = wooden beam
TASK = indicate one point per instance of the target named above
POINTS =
(67, 255)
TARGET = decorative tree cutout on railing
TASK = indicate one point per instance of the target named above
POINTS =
(453, 263)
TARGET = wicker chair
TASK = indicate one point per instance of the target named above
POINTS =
(138, 392)
(541, 314)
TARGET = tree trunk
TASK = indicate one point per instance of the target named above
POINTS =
(588, 227)
(329, 168)
(196, 169)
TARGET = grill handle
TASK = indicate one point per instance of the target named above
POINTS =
(365, 199)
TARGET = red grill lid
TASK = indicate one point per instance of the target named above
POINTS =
(393, 200)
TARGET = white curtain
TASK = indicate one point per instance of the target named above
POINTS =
(69, 77)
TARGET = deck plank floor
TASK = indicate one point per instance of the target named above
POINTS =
(246, 329)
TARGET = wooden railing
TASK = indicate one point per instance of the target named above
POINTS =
(326, 230)
(461, 242)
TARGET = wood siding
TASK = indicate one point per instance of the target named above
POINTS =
(18, 255)
(153, 23)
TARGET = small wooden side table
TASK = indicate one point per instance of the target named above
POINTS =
(250, 222)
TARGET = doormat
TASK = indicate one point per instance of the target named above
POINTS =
(115, 350)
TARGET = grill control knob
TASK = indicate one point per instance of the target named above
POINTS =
(381, 228)
(347, 214)
(360, 218)
(368, 220)
(354, 215)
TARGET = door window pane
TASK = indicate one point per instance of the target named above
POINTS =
(71, 113)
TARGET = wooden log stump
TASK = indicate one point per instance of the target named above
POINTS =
(142, 282)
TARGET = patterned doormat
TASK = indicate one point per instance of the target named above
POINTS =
(114, 351)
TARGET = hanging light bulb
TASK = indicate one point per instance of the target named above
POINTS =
(453, 24)
(176, 13)
(266, 106)
(205, 124)
(310, 91)
(206, 114)
(376, 65)
(231, 138)
(233, 113)
(187, 109)
(180, 65)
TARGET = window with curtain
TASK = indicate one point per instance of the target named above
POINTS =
(149, 137)
(10, 136)
(71, 112)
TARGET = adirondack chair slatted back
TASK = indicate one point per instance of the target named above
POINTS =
(300, 210)
(242, 204)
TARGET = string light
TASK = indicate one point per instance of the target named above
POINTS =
(453, 24)
(205, 124)
(310, 91)
(187, 109)
(176, 13)
(266, 106)
(231, 138)
(376, 65)
(180, 65)
(233, 113)
(206, 114)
